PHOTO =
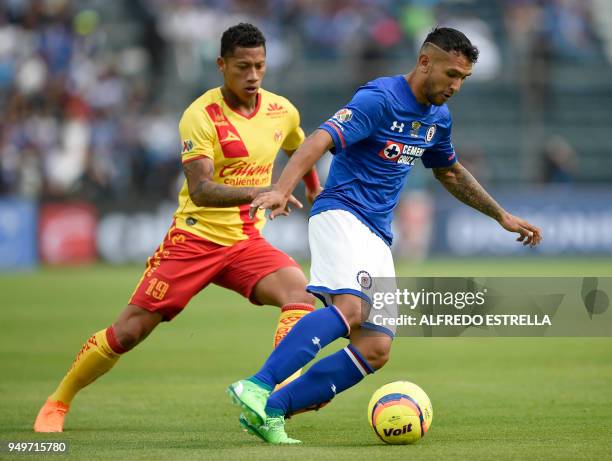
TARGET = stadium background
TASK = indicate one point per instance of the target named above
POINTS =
(91, 92)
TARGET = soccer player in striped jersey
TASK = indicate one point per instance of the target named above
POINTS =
(230, 138)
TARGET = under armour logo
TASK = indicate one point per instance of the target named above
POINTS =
(397, 126)
(333, 388)
(317, 342)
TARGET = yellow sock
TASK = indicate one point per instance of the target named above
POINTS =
(290, 314)
(94, 359)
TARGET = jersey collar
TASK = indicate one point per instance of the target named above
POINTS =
(252, 114)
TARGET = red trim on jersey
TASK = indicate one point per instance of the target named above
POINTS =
(198, 157)
(338, 132)
(229, 138)
(252, 114)
(248, 224)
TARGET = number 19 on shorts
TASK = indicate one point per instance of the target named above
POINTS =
(157, 288)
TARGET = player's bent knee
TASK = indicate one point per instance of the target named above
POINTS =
(299, 296)
(378, 361)
(126, 338)
(285, 286)
(351, 309)
(377, 355)
(133, 325)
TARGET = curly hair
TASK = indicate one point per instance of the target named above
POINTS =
(241, 35)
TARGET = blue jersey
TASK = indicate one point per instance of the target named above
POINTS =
(377, 138)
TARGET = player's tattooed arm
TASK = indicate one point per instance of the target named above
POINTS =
(460, 182)
(205, 192)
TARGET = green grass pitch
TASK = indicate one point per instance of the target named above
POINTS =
(493, 398)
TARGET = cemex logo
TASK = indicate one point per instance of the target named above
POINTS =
(398, 152)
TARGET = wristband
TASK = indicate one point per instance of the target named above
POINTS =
(311, 180)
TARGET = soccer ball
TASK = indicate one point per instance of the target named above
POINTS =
(400, 413)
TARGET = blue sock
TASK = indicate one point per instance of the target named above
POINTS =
(325, 379)
(310, 334)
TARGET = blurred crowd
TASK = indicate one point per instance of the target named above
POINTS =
(91, 90)
(79, 113)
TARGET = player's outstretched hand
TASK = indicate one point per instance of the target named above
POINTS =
(529, 234)
(276, 202)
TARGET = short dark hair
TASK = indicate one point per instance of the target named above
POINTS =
(241, 35)
(453, 40)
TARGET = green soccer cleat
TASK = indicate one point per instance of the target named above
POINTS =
(272, 432)
(251, 398)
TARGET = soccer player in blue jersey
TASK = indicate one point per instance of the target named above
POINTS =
(389, 124)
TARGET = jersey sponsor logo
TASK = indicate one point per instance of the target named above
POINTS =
(187, 146)
(414, 129)
(431, 131)
(403, 154)
(391, 151)
(241, 173)
(343, 115)
(274, 107)
(275, 110)
(231, 143)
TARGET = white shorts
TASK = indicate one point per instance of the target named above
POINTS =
(348, 258)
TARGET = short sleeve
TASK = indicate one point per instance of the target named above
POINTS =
(295, 137)
(442, 154)
(197, 135)
(358, 119)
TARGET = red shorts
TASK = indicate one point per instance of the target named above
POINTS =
(184, 264)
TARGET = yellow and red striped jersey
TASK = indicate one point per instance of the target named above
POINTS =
(243, 149)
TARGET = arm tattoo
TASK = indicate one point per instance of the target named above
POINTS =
(205, 192)
(459, 182)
